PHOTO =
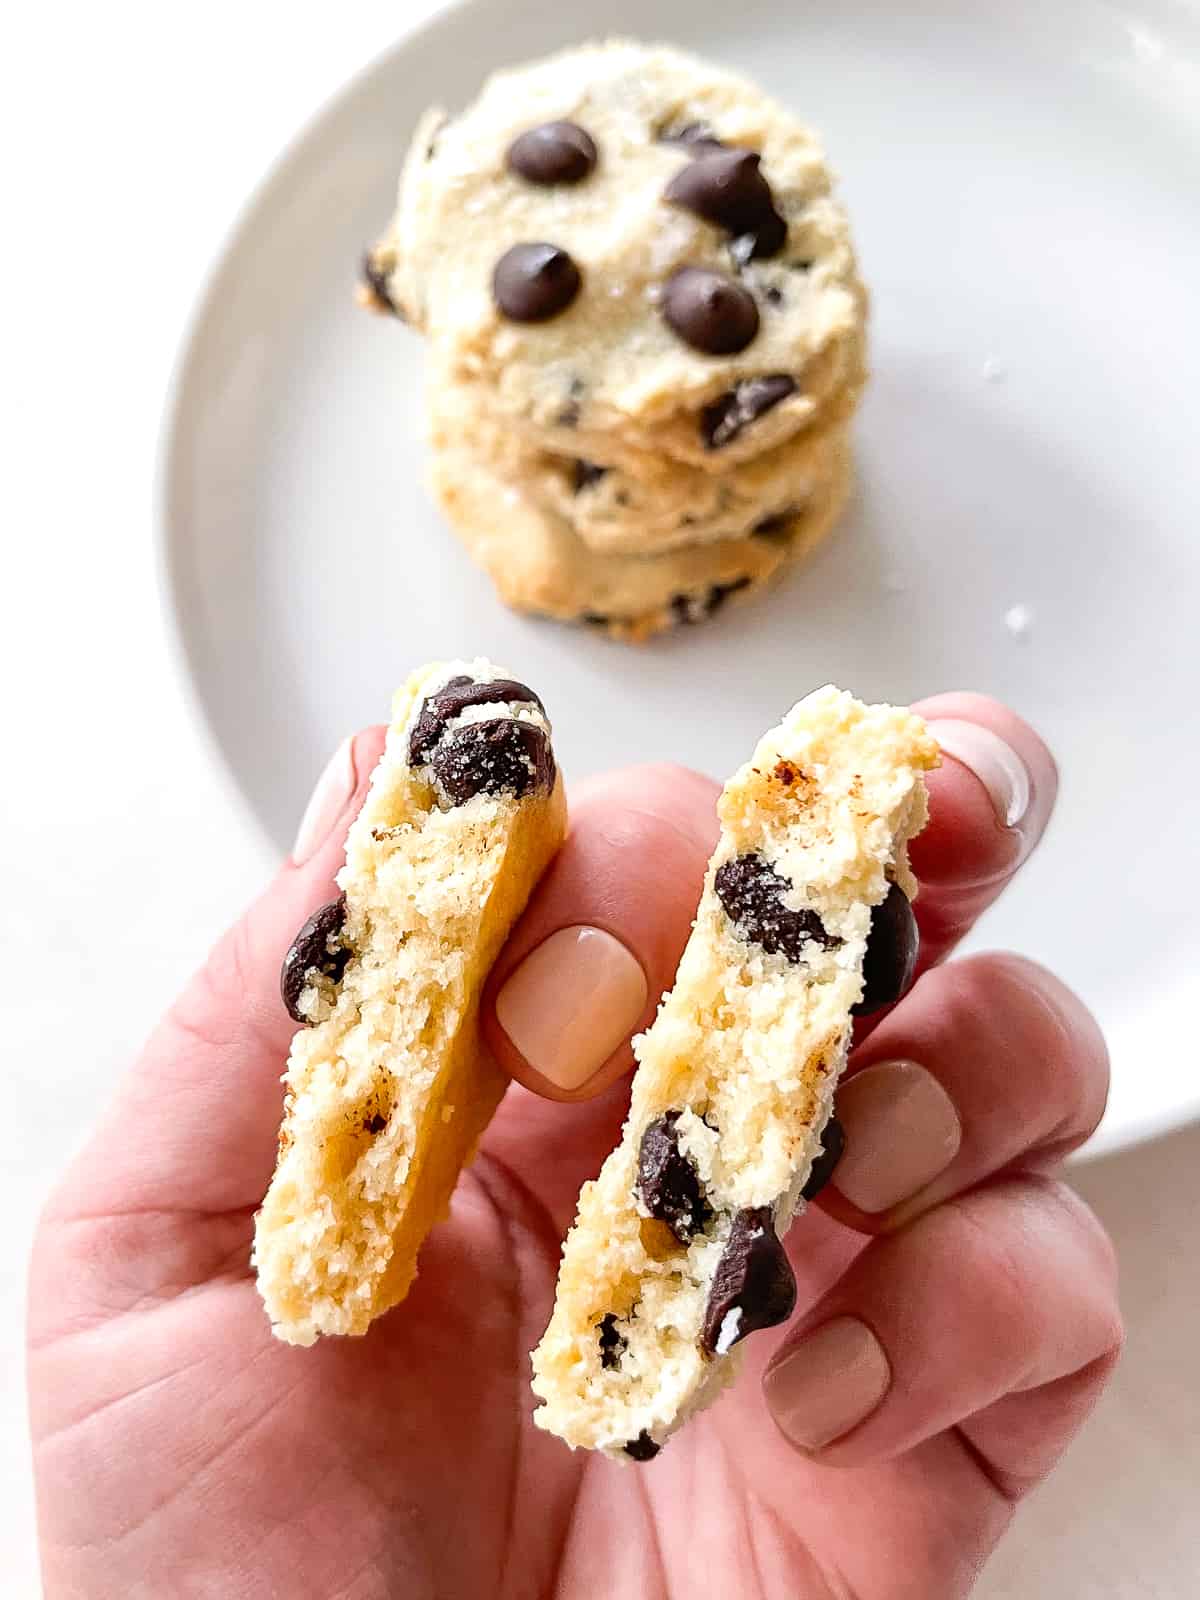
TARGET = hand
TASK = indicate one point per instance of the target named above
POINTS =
(957, 1317)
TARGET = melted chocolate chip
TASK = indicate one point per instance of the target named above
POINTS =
(753, 1287)
(697, 137)
(555, 152)
(690, 608)
(709, 311)
(779, 525)
(500, 756)
(316, 952)
(534, 282)
(726, 187)
(457, 694)
(768, 239)
(725, 417)
(891, 957)
(643, 1448)
(752, 894)
(376, 281)
(612, 1345)
(833, 1142)
(668, 1184)
(585, 473)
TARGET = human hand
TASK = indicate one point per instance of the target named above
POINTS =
(957, 1306)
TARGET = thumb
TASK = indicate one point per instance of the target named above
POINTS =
(193, 1125)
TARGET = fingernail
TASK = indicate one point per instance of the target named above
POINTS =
(571, 1002)
(997, 765)
(328, 799)
(827, 1383)
(901, 1131)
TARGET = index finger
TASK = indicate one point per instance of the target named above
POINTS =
(989, 803)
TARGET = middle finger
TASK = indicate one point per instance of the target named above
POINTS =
(989, 1062)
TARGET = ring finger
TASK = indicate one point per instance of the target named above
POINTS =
(988, 1063)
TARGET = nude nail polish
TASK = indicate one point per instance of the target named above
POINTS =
(333, 789)
(827, 1382)
(571, 1002)
(901, 1130)
(997, 765)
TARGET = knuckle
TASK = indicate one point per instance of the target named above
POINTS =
(1080, 1225)
(1056, 1036)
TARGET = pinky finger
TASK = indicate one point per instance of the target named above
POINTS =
(995, 1313)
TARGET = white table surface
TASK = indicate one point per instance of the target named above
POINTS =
(133, 134)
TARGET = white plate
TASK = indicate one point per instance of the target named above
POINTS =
(1023, 181)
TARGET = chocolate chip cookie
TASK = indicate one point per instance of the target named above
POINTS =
(631, 503)
(388, 1084)
(624, 241)
(540, 565)
(805, 921)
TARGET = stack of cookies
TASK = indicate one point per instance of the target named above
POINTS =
(646, 331)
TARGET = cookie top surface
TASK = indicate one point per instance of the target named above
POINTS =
(644, 283)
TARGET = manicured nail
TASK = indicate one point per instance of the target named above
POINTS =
(901, 1131)
(825, 1384)
(571, 1002)
(334, 788)
(997, 765)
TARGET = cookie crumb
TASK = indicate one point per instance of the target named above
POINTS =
(1018, 620)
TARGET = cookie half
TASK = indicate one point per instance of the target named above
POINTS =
(389, 1085)
(672, 246)
(540, 565)
(675, 1256)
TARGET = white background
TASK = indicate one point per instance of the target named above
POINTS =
(131, 135)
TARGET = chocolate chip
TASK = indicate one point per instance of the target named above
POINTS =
(752, 894)
(727, 187)
(833, 1142)
(643, 1448)
(709, 311)
(778, 526)
(570, 412)
(534, 282)
(585, 473)
(376, 281)
(316, 953)
(724, 418)
(696, 136)
(891, 958)
(455, 696)
(690, 608)
(668, 1184)
(555, 152)
(500, 756)
(375, 1123)
(768, 239)
(753, 1287)
(612, 1345)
